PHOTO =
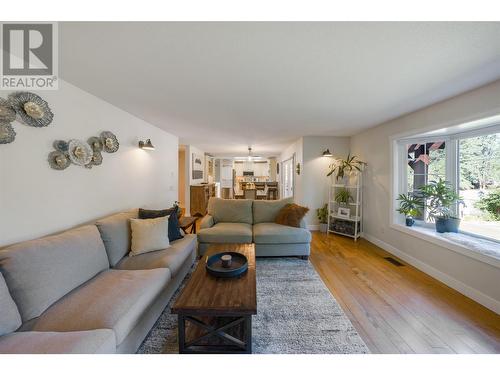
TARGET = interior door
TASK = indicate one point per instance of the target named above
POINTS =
(287, 178)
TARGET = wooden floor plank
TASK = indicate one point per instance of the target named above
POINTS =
(401, 309)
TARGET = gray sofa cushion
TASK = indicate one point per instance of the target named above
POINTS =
(226, 233)
(272, 233)
(171, 258)
(10, 320)
(114, 299)
(115, 233)
(207, 222)
(266, 211)
(99, 341)
(40, 272)
(230, 210)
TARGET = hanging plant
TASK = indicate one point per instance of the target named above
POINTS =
(343, 167)
(33, 110)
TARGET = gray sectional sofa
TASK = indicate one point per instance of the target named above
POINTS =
(79, 292)
(252, 221)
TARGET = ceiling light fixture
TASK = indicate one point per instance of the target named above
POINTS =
(146, 145)
(249, 158)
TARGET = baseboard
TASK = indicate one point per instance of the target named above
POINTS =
(453, 283)
(313, 227)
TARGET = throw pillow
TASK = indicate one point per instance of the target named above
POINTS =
(149, 235)
(291, 215)
(174, 230)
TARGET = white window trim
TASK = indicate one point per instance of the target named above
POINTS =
(399, 181)
(429, 235)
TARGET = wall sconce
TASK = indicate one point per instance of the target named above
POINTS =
(298, 168)
(146, 145)
(327, 153)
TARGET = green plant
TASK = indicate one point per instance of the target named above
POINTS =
(343, 196)
(491, 204)
(322, 214)
(410, 205)
(343, 166)
(440, 199)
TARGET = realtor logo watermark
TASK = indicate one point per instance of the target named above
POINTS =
(28, 56)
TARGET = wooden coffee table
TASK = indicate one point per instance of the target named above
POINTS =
(215, 315)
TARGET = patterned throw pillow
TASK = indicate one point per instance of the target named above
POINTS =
(291, 215)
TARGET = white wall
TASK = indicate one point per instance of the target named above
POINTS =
(476, 279)
(311, 186)
(36, 200)
(315, 184)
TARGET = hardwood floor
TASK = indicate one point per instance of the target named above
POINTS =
(401, 309)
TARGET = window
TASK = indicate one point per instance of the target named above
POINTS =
(470, 161)
(426, 162)
(479, 184)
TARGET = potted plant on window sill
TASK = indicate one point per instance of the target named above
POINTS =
(441, 201)
(410, 206)
(322, 214)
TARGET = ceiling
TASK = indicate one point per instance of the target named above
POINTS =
(224, 86)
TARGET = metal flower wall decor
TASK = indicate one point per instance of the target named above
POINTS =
(31, 109)
(7, 133)
(86, 154)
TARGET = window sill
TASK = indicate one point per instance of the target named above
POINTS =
(482, 250)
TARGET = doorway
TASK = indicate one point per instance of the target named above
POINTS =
(183, 184)
(287, 179)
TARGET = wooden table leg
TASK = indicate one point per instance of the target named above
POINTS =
(182, 334)
(248, 334)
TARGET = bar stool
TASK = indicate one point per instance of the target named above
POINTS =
(272, 193)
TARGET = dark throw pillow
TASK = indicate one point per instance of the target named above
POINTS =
(291, 215)
(174, 230)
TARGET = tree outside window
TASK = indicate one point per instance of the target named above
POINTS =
(479, 166)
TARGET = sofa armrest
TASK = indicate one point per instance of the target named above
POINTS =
(207, 222)
(303, 223)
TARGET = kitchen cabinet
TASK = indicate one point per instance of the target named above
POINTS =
(261, 169)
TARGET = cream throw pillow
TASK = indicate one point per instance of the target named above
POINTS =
(149, 235)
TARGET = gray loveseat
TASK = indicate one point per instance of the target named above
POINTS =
(79, 292)
(252, 221)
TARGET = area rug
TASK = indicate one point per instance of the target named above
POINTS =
(296, 315)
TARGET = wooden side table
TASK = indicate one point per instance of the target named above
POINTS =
(188, 221)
